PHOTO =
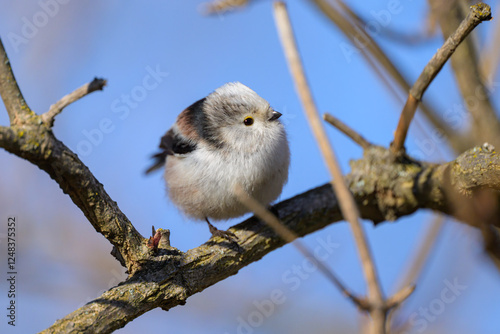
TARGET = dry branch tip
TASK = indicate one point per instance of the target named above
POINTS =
(221, 6)
(482, 11)
(55, 109)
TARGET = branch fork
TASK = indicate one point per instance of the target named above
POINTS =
(478, 13)
(159, 280)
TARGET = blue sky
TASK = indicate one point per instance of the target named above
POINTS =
(63, 263)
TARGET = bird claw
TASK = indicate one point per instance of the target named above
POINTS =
(223, 234)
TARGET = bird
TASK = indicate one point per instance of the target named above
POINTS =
(232, 137)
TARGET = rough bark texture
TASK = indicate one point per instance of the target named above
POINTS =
(36, 143)
(384, 186)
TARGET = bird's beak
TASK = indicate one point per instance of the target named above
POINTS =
(275, 115)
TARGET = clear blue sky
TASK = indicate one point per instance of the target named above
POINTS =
(63, 263)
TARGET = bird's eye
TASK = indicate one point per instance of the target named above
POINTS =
(248, 121)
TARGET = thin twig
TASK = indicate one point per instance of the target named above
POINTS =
(400, 296)
(347, 205)
(490, 56)
(290, 237)
(420, 257)
(57, 108)
(16, 106)
(347, 130)
(353, 28)
(220, 6)
(478, 13)
(404, 123)
(465, 63)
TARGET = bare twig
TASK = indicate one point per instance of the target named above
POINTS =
(404, 123)
(289, 236)
(400, 296)
(350, 24)
(348, 131)
(490, 56)
(347, 204)
(220, 6)
(16, 106)
(57, 108)
(421, 255)
(485, 125)
(478, 13)
(30, 139)
(419, 258)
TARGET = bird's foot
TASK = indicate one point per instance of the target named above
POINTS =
(223, 234)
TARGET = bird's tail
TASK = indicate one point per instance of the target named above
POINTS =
(158, 162)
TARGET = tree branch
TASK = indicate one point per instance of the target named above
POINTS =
(29, 138)
(220, 6)
(57, 108)
(38, 145)
(465, 64)
(12, 97)
(288, 236)
(353, 28)
(478, 13)
(489, 59)
(347, 130)
(381, 187)
(347, 204)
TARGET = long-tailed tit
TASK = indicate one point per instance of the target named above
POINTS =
(230, 137)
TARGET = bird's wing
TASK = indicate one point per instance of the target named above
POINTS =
(172, 143)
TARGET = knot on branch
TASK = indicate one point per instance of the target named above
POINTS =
(388, 188)
(160, 239)
(384, 183)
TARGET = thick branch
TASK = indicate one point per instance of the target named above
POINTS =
(288, 236)
(12, 97)
(383, 189)
(37, 144)
(30, 138)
